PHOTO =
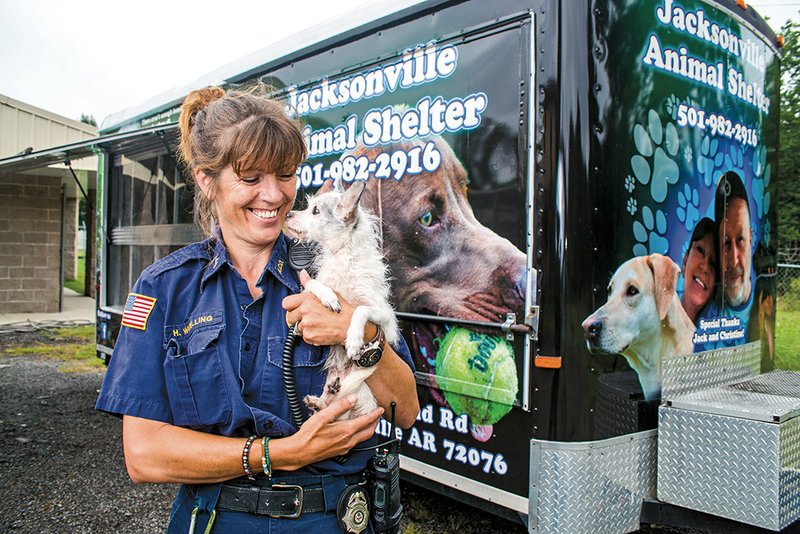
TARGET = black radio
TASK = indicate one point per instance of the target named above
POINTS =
(383, 480)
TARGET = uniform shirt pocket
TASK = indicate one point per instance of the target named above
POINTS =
(195, 381)
(307, 363)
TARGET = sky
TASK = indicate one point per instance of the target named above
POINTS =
(101, 56)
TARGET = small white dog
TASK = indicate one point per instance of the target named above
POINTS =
(351, 263)
(643, 319)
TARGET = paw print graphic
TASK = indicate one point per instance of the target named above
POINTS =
(688, 204)
(656, 146)
(630, 185)
(762, 173)
(672, 106)
(734, 159)
(767, 230)
(650, 233)
(688, 154)
(632, 206)
(709, 160)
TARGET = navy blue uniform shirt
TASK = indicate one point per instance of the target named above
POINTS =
(199, 352)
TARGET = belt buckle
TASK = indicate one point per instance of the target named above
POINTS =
(298, 500)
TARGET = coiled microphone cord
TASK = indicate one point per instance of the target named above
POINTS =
(298, 416)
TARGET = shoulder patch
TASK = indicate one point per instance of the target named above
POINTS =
(137, 310)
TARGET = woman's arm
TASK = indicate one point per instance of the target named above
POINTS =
(160, 452)
(392, 379)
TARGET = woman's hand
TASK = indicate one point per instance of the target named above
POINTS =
(322, 436)
(318, 324)
(160, 452)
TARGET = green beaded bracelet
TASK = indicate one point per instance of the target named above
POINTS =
(265, 464)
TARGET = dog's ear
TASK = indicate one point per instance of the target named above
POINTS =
(665, 276)
(348, 207)
(338, 185)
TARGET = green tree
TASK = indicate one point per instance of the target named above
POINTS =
(88, 119)
(789, 155)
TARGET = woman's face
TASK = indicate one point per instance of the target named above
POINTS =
(699, 271)
(252, 208)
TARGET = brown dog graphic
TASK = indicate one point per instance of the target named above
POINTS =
(442, 261)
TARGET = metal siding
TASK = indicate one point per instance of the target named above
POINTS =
(731, 464)
(591, 487)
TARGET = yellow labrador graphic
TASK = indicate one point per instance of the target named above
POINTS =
(643, 319)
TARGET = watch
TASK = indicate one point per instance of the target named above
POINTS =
(372, 350)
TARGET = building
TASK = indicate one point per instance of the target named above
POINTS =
(39, 208)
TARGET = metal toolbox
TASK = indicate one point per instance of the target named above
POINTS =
(734, 450)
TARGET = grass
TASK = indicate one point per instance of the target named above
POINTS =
(787, 340)
(73, 347)
(78, 285)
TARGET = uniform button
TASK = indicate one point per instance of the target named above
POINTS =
(247, 347)
(267, 425)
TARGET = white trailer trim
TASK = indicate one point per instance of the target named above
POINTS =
(465, 485)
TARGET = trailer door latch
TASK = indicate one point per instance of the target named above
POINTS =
(511, 319)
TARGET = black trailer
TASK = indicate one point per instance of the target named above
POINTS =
(521, 153)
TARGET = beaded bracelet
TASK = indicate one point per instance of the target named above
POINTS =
(265, 463)
(246, 458)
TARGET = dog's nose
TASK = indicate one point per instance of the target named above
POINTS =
(591, 328)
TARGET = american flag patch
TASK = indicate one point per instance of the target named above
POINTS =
(137, 310)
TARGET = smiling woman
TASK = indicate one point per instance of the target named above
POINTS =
(700, 268)
(197, 369)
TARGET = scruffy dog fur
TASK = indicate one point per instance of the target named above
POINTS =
(351, 263)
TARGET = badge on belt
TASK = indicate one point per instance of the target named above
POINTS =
(353, 509)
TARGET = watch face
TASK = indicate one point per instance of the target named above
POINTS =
(370, 357)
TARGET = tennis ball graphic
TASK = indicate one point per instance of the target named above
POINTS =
(477, 374)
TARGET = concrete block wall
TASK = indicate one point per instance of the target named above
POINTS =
(30, 242)
(70, 238)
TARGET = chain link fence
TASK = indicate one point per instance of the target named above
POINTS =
(788, 278)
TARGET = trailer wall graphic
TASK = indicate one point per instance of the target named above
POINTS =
(576, 199)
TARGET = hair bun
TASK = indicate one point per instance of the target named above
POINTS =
(195, 102)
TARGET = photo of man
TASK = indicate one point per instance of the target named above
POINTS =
(732, 213)
(724, 321)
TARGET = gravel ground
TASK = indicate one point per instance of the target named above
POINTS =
(62, 468)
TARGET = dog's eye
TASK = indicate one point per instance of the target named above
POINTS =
(632, 291)
(427, 219)
(315, 210)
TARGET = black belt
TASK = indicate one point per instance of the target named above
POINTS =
(281, 500)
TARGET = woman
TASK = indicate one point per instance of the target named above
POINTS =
(700, 268)
(196, 371)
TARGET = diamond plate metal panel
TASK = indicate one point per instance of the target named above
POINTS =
(703, 370)
(592, 487)
(783, 383)
(620, 407)
(789, 478)
(739, 402)
(736, 468)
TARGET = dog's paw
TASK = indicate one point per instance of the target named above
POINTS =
(325, 294)
(353, 344)
(334, 387)
(313, 403)
(330, 300)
